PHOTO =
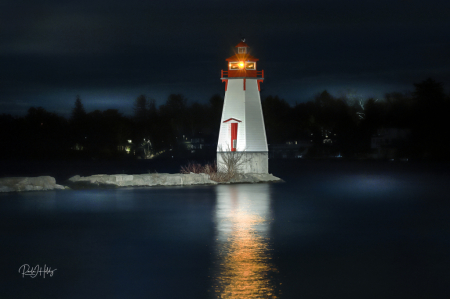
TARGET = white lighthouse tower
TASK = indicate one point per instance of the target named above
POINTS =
(242, 125)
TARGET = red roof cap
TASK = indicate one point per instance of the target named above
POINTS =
(241, 44)
(242, 57)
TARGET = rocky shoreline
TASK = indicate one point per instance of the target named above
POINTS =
(18, 184)
(42, 183)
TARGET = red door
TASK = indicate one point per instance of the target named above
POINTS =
(234, 128)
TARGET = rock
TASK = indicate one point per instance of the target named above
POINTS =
(5, 189)
(123, 177)
(123, 180)
(150, 179)
(164, 179)
(255, 178)
(28, 184)
(74, 178)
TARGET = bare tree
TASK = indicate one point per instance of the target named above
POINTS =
(231, 163)
(146, 145)
(227, 168)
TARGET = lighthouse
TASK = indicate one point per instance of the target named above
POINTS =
(242, 131)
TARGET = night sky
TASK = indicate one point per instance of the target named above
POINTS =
(110, 52)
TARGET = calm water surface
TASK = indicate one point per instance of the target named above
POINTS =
(329, 231)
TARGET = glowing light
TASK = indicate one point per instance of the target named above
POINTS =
(250, 66)
(234, 65)
(241, 65)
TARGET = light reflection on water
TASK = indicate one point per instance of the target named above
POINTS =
(243, 266)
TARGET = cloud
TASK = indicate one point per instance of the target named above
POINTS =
(179, 47)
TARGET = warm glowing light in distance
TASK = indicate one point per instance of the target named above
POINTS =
(241, 64)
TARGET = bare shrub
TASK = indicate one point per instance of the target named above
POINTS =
(230, 166)
(192, 167)
(232, 162)
(210, 169)
(217, 176)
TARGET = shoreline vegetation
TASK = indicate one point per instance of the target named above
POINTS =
(230, 168)
(408, 125)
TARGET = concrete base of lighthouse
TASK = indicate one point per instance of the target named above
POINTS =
(250, 162)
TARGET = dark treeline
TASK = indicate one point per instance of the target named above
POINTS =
(330, 125)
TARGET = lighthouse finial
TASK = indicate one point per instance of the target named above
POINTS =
(243, 39)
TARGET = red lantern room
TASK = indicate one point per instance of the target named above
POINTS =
(242, 65)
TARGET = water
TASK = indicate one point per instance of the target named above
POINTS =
(332, 230)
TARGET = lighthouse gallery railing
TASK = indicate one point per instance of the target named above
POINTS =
(259, 74)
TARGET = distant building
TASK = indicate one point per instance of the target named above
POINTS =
(195, 144)
(290, 150)
(126, 147)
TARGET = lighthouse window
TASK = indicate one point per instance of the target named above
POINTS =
(234, 65)
(242, 50)
(250, 66)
